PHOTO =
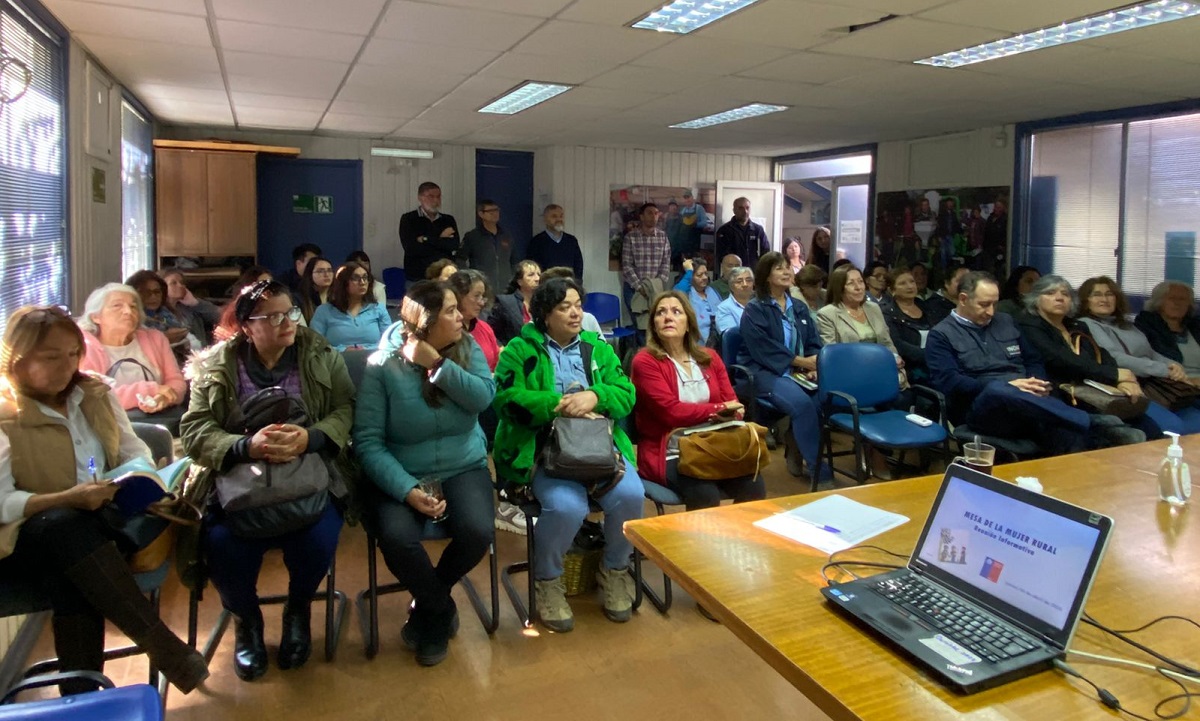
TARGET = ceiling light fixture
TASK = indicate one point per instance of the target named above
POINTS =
(684, 16)
(524, 96)
(1118, 20)
(402, 153)
(752, 110)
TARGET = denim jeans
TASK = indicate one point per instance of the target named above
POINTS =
(565, 506)
(793, 401)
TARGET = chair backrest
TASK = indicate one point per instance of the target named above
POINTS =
(866, 371)
(139, 702)
(395, 280)
(158, 438)
(356, 363)
(605, 306)
(731, 345)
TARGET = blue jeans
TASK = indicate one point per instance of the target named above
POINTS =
(234, 562)
(564, 508)
(627, 296)
(792, 400)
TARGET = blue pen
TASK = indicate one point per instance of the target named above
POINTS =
(92, 468)
(821, 526)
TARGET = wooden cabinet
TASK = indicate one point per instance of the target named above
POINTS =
(206, 203)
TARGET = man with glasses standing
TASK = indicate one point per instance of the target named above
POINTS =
(487, 248)
(426, 233)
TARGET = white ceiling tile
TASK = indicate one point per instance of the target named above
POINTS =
(809, 67)
(139, 23)
(787, 23)
(182, 111)
(373, 82)
(349, 16)
(894, 7)
(569, 69)
(610, 12)
(392, 108)
(416, 57)
(716, 56)
(279, 102)
(274, 118)
(459, 27)
(1169, 40)
(347, 123)
(147, 91)
(616, 45)
(536, 8)
(1015, 16)
(634, 77)
(608, 98)
(155, 62)
(182, 7)
(296, 86)
(909, 39)
(288, 42)
(275, 75)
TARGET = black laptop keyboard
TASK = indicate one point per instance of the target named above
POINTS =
(981, 633)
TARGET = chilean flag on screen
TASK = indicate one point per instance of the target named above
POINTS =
(991, 570)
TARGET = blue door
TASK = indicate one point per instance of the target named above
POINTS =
(506, 177)
(308, 201)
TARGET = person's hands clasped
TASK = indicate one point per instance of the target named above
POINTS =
(1133, 389)
(279, 443)
(425, 503)
(805, 363)
(91, 496)
(1036, 386)
(577, 405)
(1176, 372)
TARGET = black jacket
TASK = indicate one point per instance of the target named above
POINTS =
(1161, 337)
(423, 242)
(906, 335)
(763, 350)
(1062, 364)
(507, 317)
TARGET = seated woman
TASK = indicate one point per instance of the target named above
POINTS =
(511, 310)
(249, 276)
(139, 360)
(267, 349)
(178, 328)
(1012, 295)
(1103, 309)
(59, 428)
(1047, 325)
(694, 284)
(908, 324)
(679, 383)
(351, 318)
(377, 287)
(810, 287)
(441, 269)
(314, 286)
(554, 369)
(417, 419)
(1171, 325)
(850, 318)
(200, 315)
(741, 290)
(793, 250)
(779, 340)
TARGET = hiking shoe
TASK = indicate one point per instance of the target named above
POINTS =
(552, 605)
(617, 585)
(434, 644)
(511, 518)
(411, 633)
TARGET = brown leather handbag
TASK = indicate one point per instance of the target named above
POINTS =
(1100, 397)
(723, 453)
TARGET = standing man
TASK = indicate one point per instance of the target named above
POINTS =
(488, 248)
(742, 236)
(426, 234)
(693, 219)
(553, 247)
(645, 254)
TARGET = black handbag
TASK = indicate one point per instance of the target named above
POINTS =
(583, 449)
(1100, 397)
(1175, 395)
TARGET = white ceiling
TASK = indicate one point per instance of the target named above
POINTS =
(420, 69)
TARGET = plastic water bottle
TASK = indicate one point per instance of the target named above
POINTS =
(1174, 478)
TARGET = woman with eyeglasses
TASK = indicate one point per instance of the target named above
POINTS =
(184, 331)
(266, 349)
(59, 430)
(681, 383)
(314, 286)
(352, 318)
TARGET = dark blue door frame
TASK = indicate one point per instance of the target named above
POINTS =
(506, 178)
(281, 227)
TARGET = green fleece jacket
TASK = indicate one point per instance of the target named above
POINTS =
(526, 399)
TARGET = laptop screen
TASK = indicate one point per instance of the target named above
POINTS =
(1027, 556)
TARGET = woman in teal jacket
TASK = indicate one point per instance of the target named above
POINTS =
(418, 419)
(553, 369)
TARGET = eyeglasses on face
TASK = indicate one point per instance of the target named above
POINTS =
(360, 278)
(48, 312)
(276, 319)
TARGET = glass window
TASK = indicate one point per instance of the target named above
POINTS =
(137, 191)
(32, 190)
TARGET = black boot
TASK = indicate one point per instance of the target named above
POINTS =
(295, 644)
(79, 643)
(435, 634)
(104, 579)
(249, 650)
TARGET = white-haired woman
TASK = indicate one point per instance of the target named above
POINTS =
(741, 290)
(1170, 323)
(139, 360)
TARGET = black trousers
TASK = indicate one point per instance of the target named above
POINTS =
(399, 528)
(697, 494)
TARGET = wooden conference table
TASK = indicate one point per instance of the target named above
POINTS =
(764, 588)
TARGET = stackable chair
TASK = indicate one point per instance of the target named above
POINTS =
(139, 702)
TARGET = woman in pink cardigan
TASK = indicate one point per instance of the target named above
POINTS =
(680, 383)
(139, 360)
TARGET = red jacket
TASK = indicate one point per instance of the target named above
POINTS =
(658, 410)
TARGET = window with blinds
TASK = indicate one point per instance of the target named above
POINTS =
(32, 149)
(137, 191)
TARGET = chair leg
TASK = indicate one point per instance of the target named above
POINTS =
(490, 621)
(527, 615)
(367, 603)
(335, 612)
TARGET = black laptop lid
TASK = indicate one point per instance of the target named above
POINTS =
(1026, 556)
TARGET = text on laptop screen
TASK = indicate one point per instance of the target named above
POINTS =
(1022, 555)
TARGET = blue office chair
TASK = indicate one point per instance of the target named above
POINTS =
(855, 381)
(607, 309)
(396, 282)
(139, 702)
(356, 363)
(742, 379)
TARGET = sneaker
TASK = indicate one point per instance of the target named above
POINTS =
(510, 518)
(617, 585)
(552, 605)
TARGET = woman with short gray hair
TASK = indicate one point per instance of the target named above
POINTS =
(1171, 325)
(741, 290)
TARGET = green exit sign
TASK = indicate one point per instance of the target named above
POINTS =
(320, 204)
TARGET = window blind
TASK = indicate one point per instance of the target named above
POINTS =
(32, 149)
(137, 191)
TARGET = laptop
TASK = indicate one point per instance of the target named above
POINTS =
(993, 590)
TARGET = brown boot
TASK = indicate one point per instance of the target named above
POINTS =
(104, 579)
(79, 643)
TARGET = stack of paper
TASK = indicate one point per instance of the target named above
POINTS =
(833, 523)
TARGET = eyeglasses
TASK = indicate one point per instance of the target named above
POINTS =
(276, 319)
(364, 279)
(44, 313)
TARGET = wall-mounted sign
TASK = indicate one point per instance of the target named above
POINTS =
(320, 204)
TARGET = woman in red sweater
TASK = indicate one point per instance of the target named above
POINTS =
(680, 383)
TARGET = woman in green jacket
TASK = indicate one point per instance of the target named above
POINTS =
(553, 369)
(267, 349)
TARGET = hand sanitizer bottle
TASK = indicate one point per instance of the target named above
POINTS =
(1174, 478)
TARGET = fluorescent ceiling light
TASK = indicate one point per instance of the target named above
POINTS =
(402, 153)
(684, 16)
(746, 111)
(523, 97)
(1121, 19)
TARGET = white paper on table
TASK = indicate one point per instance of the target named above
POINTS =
(834, 523)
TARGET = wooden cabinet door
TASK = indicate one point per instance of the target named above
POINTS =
(232, 204)
(181, 201)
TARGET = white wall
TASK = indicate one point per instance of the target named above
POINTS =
(578, 178)
(976, 158)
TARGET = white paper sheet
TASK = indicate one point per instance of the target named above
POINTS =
(833, 523)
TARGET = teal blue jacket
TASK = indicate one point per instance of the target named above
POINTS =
(398, 437)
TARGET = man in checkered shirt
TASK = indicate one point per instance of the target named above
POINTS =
(646, 252)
